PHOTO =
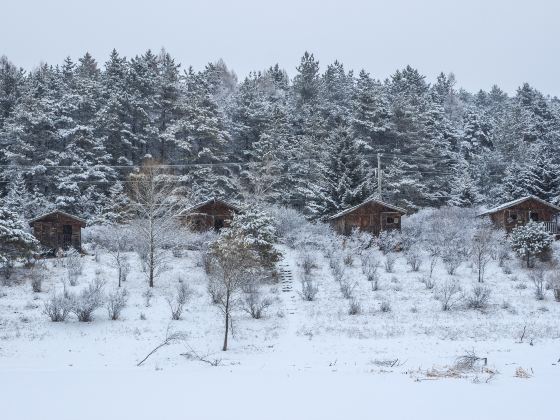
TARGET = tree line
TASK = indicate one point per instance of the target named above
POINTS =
(71, 134)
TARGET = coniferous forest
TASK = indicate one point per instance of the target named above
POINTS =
(72, 132)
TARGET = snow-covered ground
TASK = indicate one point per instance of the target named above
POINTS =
(303, 360)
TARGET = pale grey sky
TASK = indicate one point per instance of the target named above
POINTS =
(506, 42)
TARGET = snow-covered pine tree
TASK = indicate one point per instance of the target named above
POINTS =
(464, 191)
(15, 242)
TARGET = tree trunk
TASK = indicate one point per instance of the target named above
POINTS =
(120, 275)
(227, 322)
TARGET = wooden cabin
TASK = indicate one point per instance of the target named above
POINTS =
(210, 214)
(58, 229)
(521, 211)
(373, 216)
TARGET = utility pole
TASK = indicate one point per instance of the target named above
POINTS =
(379, 176)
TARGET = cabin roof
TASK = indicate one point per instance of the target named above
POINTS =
(370, 200)
(68, 215)
(519, 201)
(206, 202)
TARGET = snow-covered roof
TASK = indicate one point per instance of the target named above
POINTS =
(209, 201)
(518, 201)
(370, 200)
(70, 216)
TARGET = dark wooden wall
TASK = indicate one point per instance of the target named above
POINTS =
(49, 231)
(370, 217)
(504, 218)
(213, 215)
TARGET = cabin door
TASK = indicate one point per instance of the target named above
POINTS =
(218, 224)
(66, 236)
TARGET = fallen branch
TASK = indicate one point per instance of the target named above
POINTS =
(170, 338)
(192, 354)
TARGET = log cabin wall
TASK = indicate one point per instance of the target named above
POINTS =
(522, 213)
(58, 231)
(371, 217)
(213, 215)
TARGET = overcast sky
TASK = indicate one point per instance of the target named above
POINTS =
(504, 42)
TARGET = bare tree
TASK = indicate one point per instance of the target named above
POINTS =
(116, 240)
(178, 300)
(154, 199)
(484, 242)
(234, 263)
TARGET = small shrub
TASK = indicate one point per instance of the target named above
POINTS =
(215, 291)
(348, 259)
(308, 262)
(36, 275)
(478, 298)
(178, 300)
(554, 281)
(354, 307)
(429, 282)
(253, 302)
(309, 289)
(537, 277)
(506, 269)
(115, 303)
(390, 260)
(88, 301)
(58, 307)
(148, 295)
(347, 288)
(413, 258)
(74, 266)
(142, 316)
(338, 271)
(385, 306)
(448, 295)
(389, 241)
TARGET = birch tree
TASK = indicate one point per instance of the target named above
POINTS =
(155, 201)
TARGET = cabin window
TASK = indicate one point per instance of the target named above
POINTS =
(391, 220)
(513, 216)
(534, 216)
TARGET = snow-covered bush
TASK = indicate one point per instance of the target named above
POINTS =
(370, 266)
(484, 243)
(115, 302)
(359, 241)
(74, 266)
(389, 241)
(428, 281)
(337, 267)
(36, 274)
(288, 224)
(58, 307)
(116, 240)
(554, 281)
(478, 298)
(347, 287)
(385, 306)
(15, 242)
(390, 260)
(258, 231)
(88, 300)
(538, 279)
(354, 307)
(253, 301)
(177, 299)
(530, 241)
(309, 288)
(448, 294)
(148, 294)
(413, 257)
(307, 261)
